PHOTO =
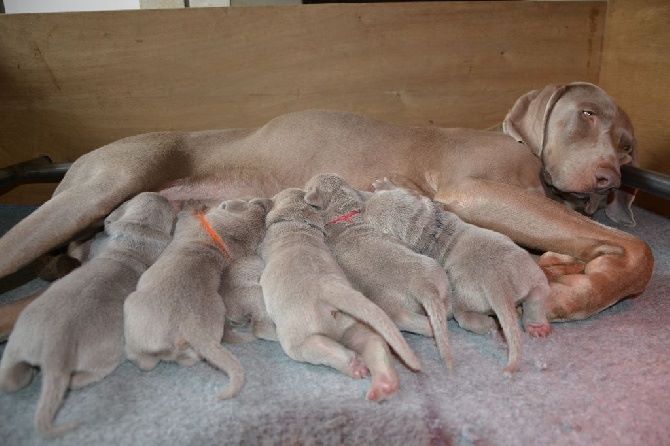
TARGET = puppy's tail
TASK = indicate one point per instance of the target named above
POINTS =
(356, 304)
(436, 310)
(504, 308)
(54, 386)
(216, 354)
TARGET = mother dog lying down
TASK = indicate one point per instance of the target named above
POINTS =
(574, 140)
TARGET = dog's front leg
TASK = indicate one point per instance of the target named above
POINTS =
(617, 264)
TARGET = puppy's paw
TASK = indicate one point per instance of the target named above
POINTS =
(384, 184)
(538, 330)
(383, 386)
(358, 368)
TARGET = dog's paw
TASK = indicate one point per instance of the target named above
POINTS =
(538, 330)
(383, 386)
(555, 265)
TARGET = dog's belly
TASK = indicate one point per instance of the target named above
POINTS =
(215, 190)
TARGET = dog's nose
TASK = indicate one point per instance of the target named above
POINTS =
(606, 179)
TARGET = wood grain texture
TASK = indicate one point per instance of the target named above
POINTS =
(70, 83)
(636, 72)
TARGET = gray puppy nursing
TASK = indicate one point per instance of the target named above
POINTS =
(315, 309)
(243, 296)
(489, 273)
(405, 284)
(74, 330)
(176, 313)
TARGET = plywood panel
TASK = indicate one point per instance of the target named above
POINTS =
(72, 82)
(636, 71)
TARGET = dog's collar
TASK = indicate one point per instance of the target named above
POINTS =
(344, 217)
(216, 238)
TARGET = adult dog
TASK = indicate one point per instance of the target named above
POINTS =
(574, 139)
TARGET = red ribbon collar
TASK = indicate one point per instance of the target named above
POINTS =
(345, 217)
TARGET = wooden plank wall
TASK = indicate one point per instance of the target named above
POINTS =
(636, 72)
(72, 82)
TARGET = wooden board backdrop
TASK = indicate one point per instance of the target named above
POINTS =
(636, 71)
(72, 82)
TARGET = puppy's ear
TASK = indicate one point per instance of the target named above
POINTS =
(234, 205)
(116, 214)
(527, 120)
(364, 195)
(314, 197)
(265, 203)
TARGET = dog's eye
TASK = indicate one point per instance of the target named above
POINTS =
(627, 148)
(588, 113)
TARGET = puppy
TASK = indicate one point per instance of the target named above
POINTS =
(243, 298)
(320, 318)
(74, 330)
(176, 313)
(400, 281)
(488, 272)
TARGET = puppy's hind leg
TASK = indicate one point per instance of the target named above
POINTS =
(377, 355)
(14, 373)
(534, 318)
(321, 350)
(264, 330)
(479, 323)
(413, 323)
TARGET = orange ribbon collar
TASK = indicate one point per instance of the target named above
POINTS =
(218, 241)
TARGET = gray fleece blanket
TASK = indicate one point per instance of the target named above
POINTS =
(603, 381)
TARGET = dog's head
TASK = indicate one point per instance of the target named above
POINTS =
(582, 138)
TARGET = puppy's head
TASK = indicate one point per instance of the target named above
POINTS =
(241, 220)
(290, 205)
(400, 212)
(321, 188)
(147, 211)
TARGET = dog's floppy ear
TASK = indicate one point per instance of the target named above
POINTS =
(620, 206)
(314, 197)
(527, 120)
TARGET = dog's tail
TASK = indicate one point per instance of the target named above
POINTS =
(504, 308)
(436, 310)
(216, 354)
(356, 304)
(55, 382)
